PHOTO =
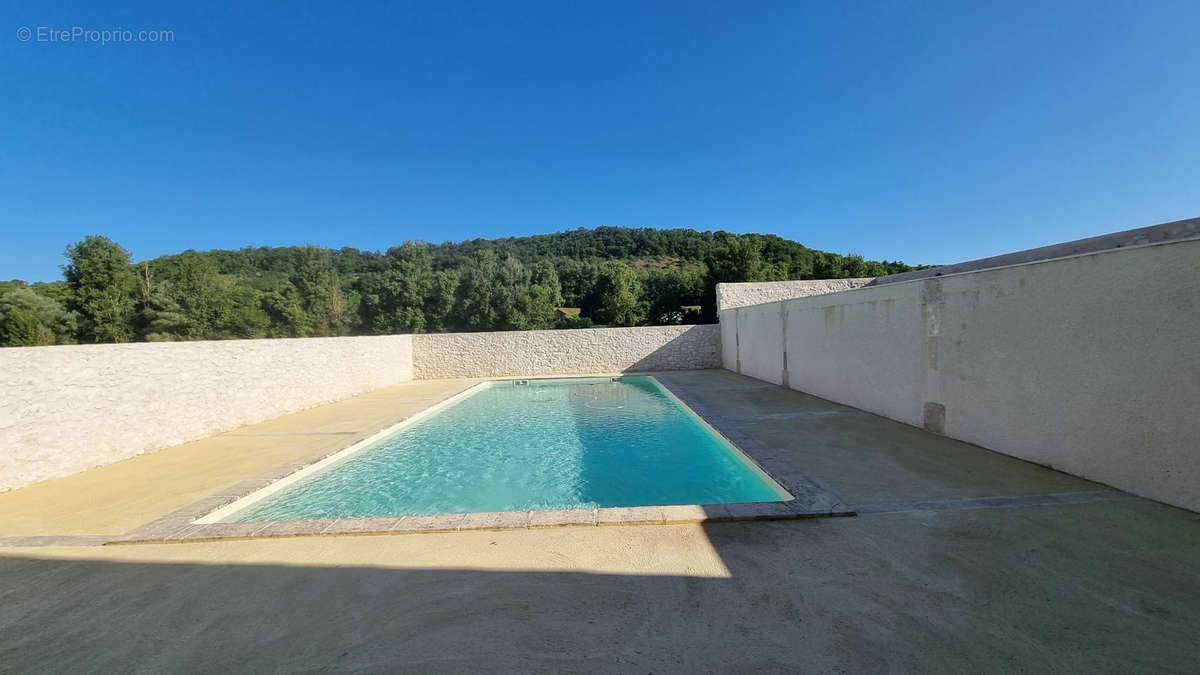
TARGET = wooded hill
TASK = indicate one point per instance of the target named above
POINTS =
(615, 276)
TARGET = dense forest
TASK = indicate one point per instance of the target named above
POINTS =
(608, 276)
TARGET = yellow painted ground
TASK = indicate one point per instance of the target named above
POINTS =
(119, 497)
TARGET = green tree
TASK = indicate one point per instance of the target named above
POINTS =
(498, 284)
(55, 290)
(667, 292)
(397, 300)
(741, 259)
(158, 317)
(50, 313)
(247, 319)
(535, 310)
(285, 315)
(580, 285)
(829, 266)
(576, 322)
(483, 301)
(22, 328)
(196, 302)
(538, 295)
(102, 286)
(317, 290)
(203, 297)
(856, 266)
(439, 305)
(163, 320)
(543, 274)
(621, 301)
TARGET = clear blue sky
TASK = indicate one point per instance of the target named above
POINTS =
(921, 131)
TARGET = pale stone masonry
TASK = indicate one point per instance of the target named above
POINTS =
(69, 408)
(566, 352)
(730, 296)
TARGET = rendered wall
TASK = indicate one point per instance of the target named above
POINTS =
(1089, 364)
(760, 341)
(758, 292)
(566, 352)
(729, 343)
(66, 409)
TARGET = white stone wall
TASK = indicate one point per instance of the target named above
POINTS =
(69, 408)
(1089, 364)
(566, 352)
(66, 409)
(730, 296)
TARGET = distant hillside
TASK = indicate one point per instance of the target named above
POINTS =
(613, 275)
(644, 247)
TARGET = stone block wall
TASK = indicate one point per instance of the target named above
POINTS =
(566, 352)
(730, 296)
(66, 409)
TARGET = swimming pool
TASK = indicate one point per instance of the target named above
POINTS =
(524, 445)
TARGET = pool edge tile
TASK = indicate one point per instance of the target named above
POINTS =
(284, 528)
(159, 530)
(217, 531)
(684, 513)
(629, 515)
(439, 523)
(562, 518)
(495, 520)
(361, 525)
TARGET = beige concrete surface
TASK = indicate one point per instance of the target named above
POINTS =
(861, 457)
(121, 496)
(69, 408)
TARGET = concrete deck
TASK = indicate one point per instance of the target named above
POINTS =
(962, 559)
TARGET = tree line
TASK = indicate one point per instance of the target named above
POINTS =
(607, 276)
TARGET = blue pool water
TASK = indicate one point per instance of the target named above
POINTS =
(547, 444)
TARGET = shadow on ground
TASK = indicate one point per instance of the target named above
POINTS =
(1093, 587)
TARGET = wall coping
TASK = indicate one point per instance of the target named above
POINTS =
(1179, 230)
(1176, 232)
